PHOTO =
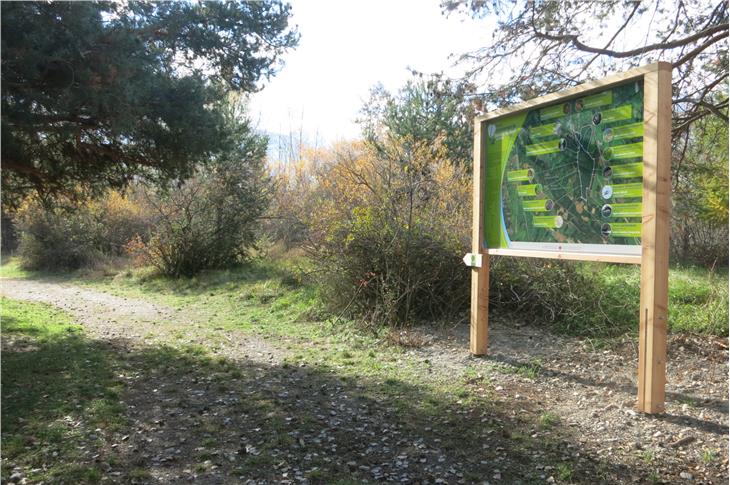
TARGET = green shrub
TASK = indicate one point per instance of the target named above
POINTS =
(210, 220)
(571, 297)
(73, 235)
(602, 300)
(389, 232)
(397, 277)
(57, 240)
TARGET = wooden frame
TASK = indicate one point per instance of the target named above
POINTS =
(654, 258)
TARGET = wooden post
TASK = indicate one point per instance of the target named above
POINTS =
(479, 330)
(655, 238)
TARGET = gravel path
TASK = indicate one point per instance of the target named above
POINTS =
(133, 321)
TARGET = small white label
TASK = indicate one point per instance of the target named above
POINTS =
(473, 260)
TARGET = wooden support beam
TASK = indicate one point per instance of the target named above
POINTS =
(479, 334)
(568, 256)
(655, 238)
(479, 330)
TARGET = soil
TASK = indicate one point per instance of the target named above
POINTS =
(321, 423)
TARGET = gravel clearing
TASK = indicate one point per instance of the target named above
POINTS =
(594, 391)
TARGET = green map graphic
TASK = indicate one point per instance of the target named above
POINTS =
(569, 173)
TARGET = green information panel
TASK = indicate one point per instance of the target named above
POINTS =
(568, 176)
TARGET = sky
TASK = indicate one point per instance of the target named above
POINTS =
(347, 47)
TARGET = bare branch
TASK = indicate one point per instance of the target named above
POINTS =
(573, 39)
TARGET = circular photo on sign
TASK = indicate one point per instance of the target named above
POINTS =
(530, 174)
(607, 172)
(606, 210)
(558, 222)
(538, 189)
(557, 130)
(607, 135)
(579, 105)
(549, 204)
(491, 130)
(606, 230)
(566, 108)
(607, 153)
(606, 191)
(596, 118)
(562, 144)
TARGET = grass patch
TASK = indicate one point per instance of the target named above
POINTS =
(708, 456)
(531, 369)
(548, 420)
(10, 268)
(698, 301)
(57, 390)
(565, 471)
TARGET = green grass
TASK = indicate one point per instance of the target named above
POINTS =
(708, 456)
(698, 300)
(565, 471)
(57, 387)
(10, 268)
(272, 296)
(548, 420)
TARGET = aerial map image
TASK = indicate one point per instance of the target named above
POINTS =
(568, 173)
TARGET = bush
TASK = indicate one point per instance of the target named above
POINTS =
(210, 220)
(72, 235)
(8, 234)
(57, 240)
(390, 231)
(573, 297)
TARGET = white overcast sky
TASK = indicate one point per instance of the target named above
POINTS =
(346, 47)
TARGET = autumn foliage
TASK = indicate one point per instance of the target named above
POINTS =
(386, 225)
(69, 236)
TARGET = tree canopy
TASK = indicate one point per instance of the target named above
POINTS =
(545, 46)
(425, 109)
(95, 94)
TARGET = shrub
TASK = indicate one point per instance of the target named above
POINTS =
(71, 235)
(210, 220)
(120, 218)
(57, 239)
(700, 197)
(294, 184)
(390, 231)
(8, 233)
(573, 297)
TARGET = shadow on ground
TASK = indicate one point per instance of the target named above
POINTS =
(143, 415)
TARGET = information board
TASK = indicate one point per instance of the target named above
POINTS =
(567, 176)
(583, 174)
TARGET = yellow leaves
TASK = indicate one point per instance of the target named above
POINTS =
(354, 188)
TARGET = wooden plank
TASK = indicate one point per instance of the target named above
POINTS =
(655, 238)
(479, 329)
(585, 88)
(567, 255)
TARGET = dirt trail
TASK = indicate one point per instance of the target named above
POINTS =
(132, 320)
(102, 314)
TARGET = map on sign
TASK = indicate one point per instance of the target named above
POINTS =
(567, 176)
